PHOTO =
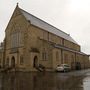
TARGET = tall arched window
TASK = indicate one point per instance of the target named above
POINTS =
(16, 39)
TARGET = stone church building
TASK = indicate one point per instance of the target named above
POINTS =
(31, 43)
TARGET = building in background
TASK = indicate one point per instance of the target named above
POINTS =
(1, 54)
(31, 43)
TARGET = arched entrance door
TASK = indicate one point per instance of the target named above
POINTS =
(13, 62)
(35, 61)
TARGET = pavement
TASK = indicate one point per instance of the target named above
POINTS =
(79, 72)
(74, 80)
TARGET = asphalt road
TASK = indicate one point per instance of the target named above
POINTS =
(76, 80)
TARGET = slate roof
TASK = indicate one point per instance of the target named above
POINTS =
(71, 50)
(43, 25)
(63, 47)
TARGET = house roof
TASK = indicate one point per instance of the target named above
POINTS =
(71, 50)
(43, 25)
(63, 47)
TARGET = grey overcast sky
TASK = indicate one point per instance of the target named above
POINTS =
(70, 16)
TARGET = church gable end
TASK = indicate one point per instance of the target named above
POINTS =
(17, 19)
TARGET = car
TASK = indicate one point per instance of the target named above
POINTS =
(63, 68)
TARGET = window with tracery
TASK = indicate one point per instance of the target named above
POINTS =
(44, 55)
(16, 38)
(21, 60)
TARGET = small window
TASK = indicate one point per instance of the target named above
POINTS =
(0, 60)
(66, 58)
(7, 62)
(57, 56)
(72, 58)
(44, 54)
(21, 60)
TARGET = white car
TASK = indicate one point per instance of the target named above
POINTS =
(63, 68)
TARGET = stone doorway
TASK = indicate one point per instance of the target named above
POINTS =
(13, 62)
(35, 61)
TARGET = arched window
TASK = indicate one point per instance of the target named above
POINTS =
(13, 62)
(21, 60)
(7, 61)
(16, 39)
(44, 55)
(35, 62)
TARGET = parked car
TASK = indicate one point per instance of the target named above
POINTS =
(63, 68)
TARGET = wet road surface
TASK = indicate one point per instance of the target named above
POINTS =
(79, 80)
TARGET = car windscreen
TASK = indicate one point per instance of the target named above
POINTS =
(66, 66)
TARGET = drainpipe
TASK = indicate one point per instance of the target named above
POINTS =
(4, 52)
(75, 61)
(62, 52)
(61, 56)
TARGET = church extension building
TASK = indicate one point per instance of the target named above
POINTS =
(31, 42)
